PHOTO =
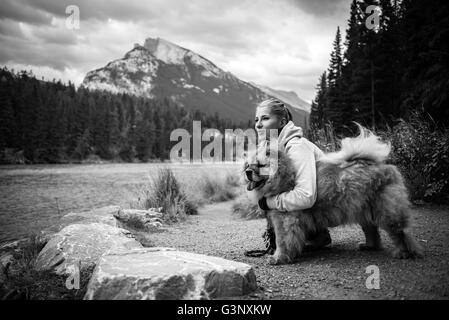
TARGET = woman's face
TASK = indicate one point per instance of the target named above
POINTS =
(265, 120)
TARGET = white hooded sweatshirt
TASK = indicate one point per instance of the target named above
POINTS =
(304, 154)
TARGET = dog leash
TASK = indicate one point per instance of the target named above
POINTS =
(255, 253)
(270, 245)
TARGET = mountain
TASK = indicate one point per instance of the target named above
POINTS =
(289, 97)
(161, 69)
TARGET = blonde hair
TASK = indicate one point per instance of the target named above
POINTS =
(277, 108)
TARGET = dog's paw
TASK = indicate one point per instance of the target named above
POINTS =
(272, 260)
(276, 259)
(419, 254)
(401, 254)
(404, 254)
(366, 247)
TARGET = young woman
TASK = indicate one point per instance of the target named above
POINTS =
(273, 114)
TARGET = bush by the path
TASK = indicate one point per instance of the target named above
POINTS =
(421, 151)
(232, 179)
(165, 191)
(217, 190)
(244, 208)
(325, 138)
(419, 148)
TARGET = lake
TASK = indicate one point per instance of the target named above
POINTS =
(34, 197)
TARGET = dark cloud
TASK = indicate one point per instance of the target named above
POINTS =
(41, 11)
(39, 54)
(233, 33)
(58, 36)
(102, 10)
(11, 29)
(23, 12)
(323, 7)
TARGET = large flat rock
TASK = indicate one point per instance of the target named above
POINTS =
(82, 245)
(148, 220)
(101, 215)
(164, 273)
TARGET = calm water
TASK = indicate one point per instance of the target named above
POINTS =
(34, 197)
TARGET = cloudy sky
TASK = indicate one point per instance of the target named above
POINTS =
(284, 44)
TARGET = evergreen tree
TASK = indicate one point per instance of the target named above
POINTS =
(425, 27)
(336, 61)
(145, 136)
(83, 145)
(333, 106)
(7, 126)
(317, 116)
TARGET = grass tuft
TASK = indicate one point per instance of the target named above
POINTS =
(165, 191)
(22, 282)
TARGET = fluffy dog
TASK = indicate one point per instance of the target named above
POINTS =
(354, 186)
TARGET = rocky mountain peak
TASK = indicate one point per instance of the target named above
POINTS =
(165, 50)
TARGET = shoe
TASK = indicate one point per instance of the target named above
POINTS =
(318, 240)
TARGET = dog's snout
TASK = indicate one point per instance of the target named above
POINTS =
(249, 174)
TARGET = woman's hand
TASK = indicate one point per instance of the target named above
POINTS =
(263, 204)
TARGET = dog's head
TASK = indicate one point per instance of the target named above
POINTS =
(255, 172)
(261, 170)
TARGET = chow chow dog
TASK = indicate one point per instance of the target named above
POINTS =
(354, 186)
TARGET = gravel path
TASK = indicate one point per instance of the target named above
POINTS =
(337, 272)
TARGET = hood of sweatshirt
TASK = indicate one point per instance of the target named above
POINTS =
(289, 132)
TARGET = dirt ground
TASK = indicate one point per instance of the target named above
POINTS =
(336, 272)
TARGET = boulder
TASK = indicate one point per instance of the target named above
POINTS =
(103, 215)
(164, 273)
(147, 220)
(81, 245)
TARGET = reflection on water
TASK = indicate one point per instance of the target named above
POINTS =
(34, 197)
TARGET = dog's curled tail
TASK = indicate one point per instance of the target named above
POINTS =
(366, 146)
